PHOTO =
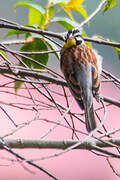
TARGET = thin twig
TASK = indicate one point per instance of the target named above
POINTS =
(93, 13)
(8, 116)
(5, 146)
(111, 166)
(59, 36)
(35, 74)
(29, 29)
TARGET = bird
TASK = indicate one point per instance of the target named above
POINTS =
(81, 67)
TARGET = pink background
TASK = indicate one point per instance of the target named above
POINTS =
(76, 164)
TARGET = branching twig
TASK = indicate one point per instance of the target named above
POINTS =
(5, 146)
(35, 74)
(8, 116)
(93, 13)
(56, 35)
(112, 167)
(40, 82)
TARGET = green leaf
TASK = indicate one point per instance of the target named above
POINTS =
(3, 56)
(83, 34)
(36, 45)
(116, 48)
(75, 5)
(36, 13)
(52, 46)
(2, 53)
(48, 14)
(17, 85)
(31, 5)
(82, 11)
(51, 11)
(110, 4)
(65, 22)
(118, 51)
(16, 32)
(35, 17)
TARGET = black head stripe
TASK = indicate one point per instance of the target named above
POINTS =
(76, 34)
(75, 31)
(78, 37)
(69, 33)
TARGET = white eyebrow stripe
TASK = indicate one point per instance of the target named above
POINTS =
(77, 35)
(74, 33)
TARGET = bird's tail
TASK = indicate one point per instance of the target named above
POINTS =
(90, 119)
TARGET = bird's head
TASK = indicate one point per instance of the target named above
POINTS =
(73, 38)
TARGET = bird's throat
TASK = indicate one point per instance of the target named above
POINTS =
(69, 43)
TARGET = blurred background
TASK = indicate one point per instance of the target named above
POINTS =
(108, 26)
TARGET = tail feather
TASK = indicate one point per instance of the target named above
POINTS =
(90, 119)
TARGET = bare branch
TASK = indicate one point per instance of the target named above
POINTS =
(111, 101)
(59, 36)
(59, 144)
(5, 147)
(93, 13)
(29, 29)
(41, 81)
(24, 72)
(111, 76)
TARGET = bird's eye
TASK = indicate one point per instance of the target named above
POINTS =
(79, 39)
(76, 34)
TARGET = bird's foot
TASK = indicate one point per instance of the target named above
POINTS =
(98, 97)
